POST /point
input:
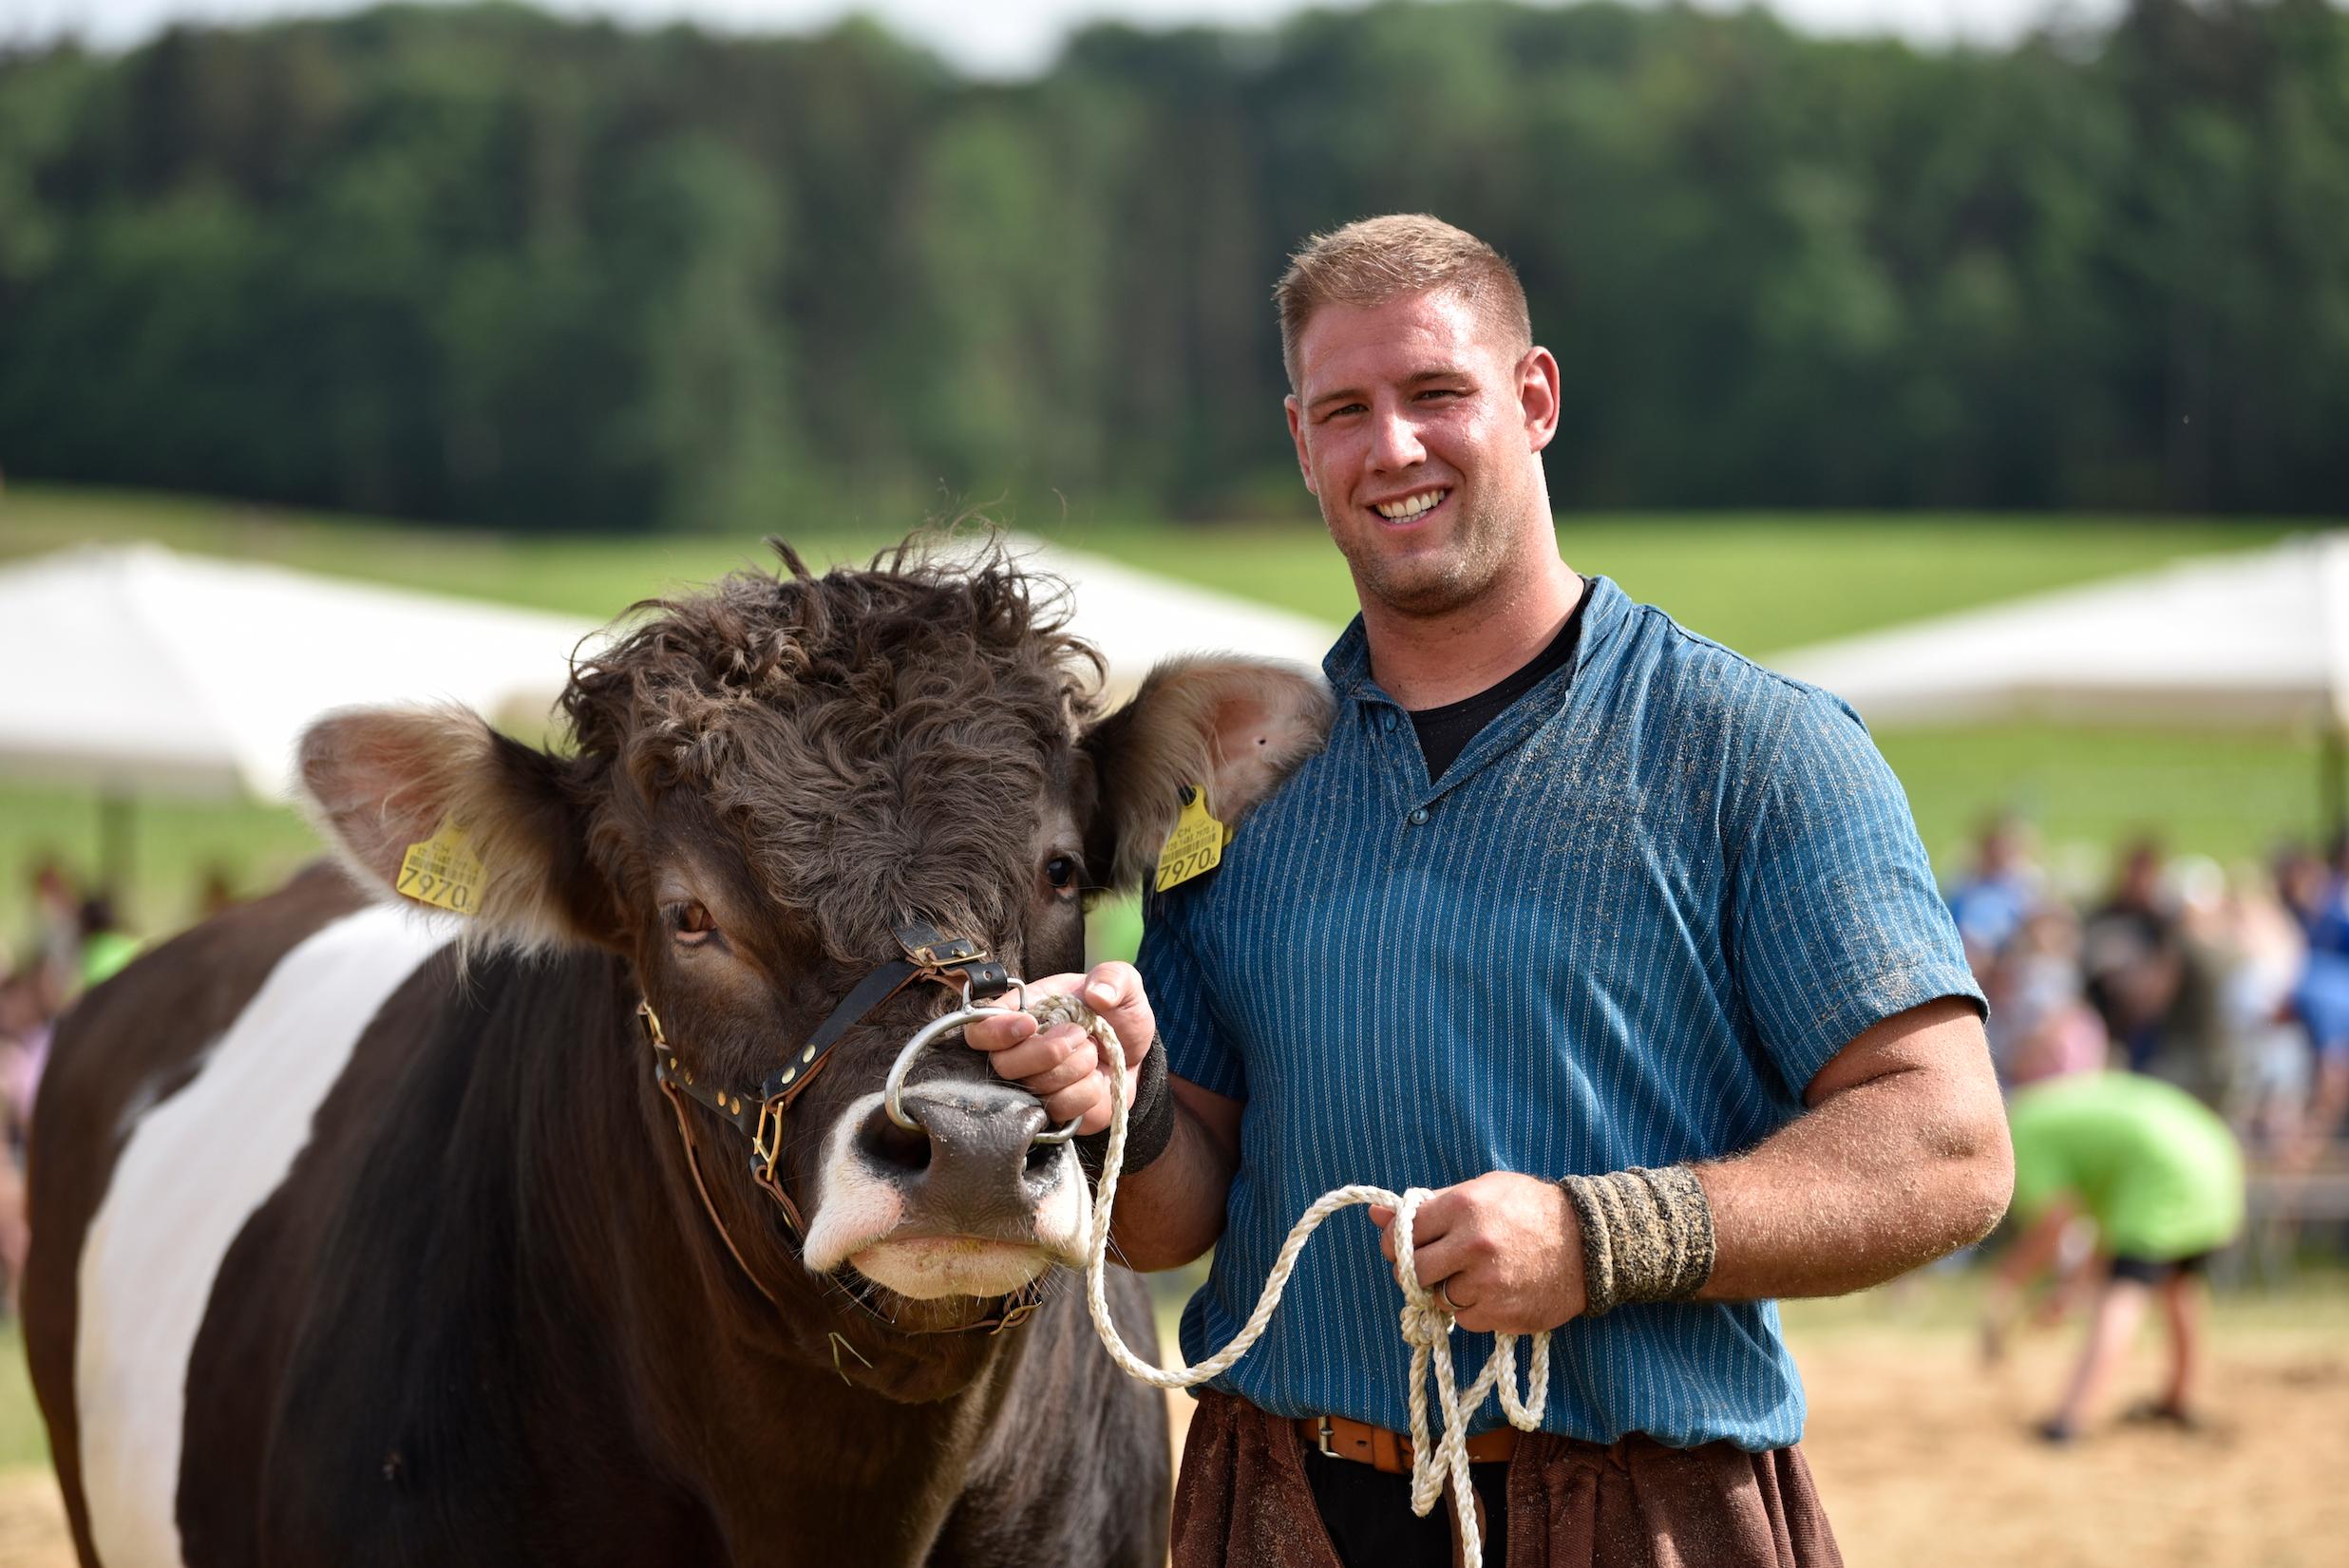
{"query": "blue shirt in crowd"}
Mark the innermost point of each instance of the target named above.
(1626, 927)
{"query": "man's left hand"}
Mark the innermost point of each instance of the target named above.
(1507, 1250)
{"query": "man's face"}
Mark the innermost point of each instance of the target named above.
(1416, 426)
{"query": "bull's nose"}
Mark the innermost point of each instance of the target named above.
(971, 1165)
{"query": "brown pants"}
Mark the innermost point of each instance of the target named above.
(1243, 1501)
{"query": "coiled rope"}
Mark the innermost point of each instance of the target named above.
(1427, 1324)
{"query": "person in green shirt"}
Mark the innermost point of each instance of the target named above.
(2161, 1177)
(105, 947)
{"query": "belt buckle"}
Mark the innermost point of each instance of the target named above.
(1321, 1430)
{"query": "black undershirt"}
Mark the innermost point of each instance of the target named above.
(1445, 732)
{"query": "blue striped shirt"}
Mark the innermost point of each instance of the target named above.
(1626, 927)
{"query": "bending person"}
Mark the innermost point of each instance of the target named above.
(2161, 1177)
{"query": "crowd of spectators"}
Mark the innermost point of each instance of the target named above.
(2234, 988)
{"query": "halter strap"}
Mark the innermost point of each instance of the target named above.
(958, 963)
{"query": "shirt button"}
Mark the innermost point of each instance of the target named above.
(1387, 723)
(1419, 817)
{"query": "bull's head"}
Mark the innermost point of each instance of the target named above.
(767, 779)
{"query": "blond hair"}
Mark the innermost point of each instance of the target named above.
(1373, 261)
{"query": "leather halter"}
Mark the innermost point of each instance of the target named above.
(958, 963)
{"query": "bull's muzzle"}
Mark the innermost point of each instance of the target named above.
(978, 1160)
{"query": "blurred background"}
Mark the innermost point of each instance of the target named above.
(2014, 341)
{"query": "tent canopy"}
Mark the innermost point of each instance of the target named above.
(2256, 638)
(133, 669)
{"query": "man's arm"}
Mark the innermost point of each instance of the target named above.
(1902, 1158)
(1171, 1211)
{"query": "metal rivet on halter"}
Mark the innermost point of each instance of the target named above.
(929, 1034)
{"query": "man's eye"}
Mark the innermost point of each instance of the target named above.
(691, 923)
(1062, 872)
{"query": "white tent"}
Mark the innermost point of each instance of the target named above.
(131, 669)
(2259, 637)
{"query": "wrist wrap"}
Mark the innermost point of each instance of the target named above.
(1647, 1236)
(1149, 1121)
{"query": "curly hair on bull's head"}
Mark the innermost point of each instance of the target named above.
(878, 736)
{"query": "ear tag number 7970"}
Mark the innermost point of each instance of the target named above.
(1196, 845)
(442, 871)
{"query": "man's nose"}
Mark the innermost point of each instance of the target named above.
(1395, 439)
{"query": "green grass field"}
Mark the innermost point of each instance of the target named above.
(1758, 582)
(23, 1438)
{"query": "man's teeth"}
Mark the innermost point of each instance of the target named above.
(1410, 506)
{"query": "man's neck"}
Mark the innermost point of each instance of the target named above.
(1428, 661)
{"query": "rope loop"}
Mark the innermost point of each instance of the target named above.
(1426, 1323)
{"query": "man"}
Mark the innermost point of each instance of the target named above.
(1570, 894)
(2161, 1177)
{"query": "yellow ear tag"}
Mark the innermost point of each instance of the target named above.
(1196, 845)
(443, 872)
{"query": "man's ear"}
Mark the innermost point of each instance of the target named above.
(381, 778)
(1296, 439)
(1237, 727)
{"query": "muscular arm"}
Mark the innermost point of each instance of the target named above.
(1902, 1158)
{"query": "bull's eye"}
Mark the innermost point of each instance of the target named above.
(1062, 872)
(689, 922)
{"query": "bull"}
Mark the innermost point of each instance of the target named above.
(577, 1230)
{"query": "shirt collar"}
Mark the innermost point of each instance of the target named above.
(1347, 664)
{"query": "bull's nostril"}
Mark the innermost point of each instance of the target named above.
(1041, 1155)
(888, 1145)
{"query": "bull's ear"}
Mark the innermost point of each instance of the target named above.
(1236, 726)
(382, 779)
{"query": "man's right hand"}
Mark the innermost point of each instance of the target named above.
(1061, 1066)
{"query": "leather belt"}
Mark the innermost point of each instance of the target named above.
(1390, 1452)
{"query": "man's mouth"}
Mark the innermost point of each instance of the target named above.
(1411, 505)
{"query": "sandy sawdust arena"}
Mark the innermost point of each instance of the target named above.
(1924, 1459)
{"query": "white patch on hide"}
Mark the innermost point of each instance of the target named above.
(195, 1170)
(1065, 1219)
(856, 1205)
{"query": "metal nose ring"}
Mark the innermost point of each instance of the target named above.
(929, 1034)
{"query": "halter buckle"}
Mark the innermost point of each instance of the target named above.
(767, 1141)
(952, 960)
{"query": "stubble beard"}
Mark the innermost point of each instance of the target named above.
(1438, 583)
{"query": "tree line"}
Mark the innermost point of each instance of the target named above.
(486, 265)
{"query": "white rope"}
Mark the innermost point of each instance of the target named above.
(1426, 1323)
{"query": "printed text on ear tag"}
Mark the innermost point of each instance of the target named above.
(442, 871)
(1196, 845)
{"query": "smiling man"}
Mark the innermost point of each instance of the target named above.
(1622, 943)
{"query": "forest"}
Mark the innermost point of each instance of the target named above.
(489, 266)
